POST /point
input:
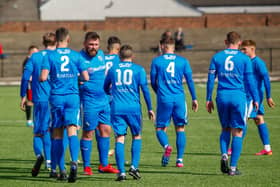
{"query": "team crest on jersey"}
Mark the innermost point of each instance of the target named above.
(100, 58)
(212, 71)
(44, 53)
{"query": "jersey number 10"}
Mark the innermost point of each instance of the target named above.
(124, 77)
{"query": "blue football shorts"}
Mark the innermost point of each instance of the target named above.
(232, 109)
(41, 116)
(177, 110)
(93, 115)
(121, 122)
(252, 112)
(65, 110)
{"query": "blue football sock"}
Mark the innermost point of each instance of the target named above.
(97, 137)
(74, 146)
(264, 133)
(120, 156)
(53, 156)
(236, 146)
(86, 147)
(59, 152)
(104, 149)
(224, 141)
(37, 145)
(47, 146)
(181, 141)
(162, 138)
(65, 139)
(136, 152)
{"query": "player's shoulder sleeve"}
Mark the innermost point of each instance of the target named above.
(155, 62)
(186, 64)
(248, 64)
(100, 52)
(81, 65)
(46, 64)
(30, 63)
(261, 65)
(213, 61)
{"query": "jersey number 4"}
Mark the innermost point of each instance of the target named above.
(171, 68)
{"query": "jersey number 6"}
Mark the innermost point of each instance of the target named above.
(229, 65)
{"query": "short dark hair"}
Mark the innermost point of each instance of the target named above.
(32, 47)
(61, 34)
(91, 36)
(111, 41)
(249, 43)
(167, 41)
(49, 39)
(126, 51)
(233, 37)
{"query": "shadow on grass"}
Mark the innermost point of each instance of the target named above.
(203, 154)
(26, 178)
(6, 161)
(190, 153)
(179, 173)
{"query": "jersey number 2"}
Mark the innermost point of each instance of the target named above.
(65, 62)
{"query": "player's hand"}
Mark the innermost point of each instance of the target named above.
(270, 102)
(22, 103)
(151, 115)
(256, 105)
(194, 105)
(209, 106)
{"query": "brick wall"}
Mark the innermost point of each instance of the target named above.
(206, 21)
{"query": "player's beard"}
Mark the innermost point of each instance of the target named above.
(91, 52)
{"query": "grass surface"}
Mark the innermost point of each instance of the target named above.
(201, 160)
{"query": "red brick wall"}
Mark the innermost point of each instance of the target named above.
(185, 22)
(124, 24)
(208, 20)
(273, 19)
(236, 20)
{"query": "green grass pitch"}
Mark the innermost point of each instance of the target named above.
(201, 160)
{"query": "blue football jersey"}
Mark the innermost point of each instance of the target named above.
(167, 72)
(64, 65)
(125, 80)
(233, 69)
(96, 70)
(110, 60)
(40, 90)
(261, 76)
